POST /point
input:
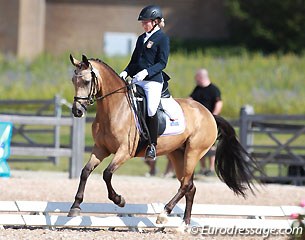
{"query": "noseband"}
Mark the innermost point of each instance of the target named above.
(92, 96)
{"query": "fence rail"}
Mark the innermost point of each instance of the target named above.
(46, 118)
(276, 141)
(281, 143)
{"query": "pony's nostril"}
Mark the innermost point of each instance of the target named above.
(76, 112)
(79, 112)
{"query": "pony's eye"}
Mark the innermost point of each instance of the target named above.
(86, 82)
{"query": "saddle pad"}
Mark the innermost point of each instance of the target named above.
(175, 122)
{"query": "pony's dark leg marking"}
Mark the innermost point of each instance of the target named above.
(95, 159)
(117, 161)
(112, 195)
(75, 208)
(180, 194)
(189, 196)
(172, 203)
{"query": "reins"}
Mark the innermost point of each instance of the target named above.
(92, 96)
(108, 94)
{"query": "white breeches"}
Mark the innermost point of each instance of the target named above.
(152, 91)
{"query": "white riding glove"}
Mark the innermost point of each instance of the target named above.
(140, 76)
(123, 75)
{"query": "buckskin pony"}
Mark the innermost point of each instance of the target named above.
(114, 132)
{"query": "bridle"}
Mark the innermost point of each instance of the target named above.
(92, 96)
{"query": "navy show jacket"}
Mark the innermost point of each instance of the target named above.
(152, 56)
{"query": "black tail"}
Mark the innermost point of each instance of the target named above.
(233, 164)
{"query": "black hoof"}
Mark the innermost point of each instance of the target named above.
(74, 212)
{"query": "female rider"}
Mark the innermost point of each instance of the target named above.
(147, 62)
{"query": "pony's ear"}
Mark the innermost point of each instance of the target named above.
(74, 61)
(85, 60)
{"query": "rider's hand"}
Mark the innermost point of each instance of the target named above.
(140, 75)
(123, 75)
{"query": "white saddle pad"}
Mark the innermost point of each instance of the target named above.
(175, 122)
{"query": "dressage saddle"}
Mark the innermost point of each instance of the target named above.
(141, 112)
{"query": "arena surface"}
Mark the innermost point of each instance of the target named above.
(47, 186)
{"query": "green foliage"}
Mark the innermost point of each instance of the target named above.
(268, 25)
(219, 48)
(272, 84)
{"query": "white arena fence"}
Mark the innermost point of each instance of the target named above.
(138, 216)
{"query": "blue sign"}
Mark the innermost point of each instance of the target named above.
(5, 142)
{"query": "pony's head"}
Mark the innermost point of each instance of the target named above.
(85, 84)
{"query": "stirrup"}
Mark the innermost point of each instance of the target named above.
(150, 154)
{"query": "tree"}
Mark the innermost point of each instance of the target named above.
(270, 25)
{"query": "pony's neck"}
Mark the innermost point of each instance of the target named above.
(109, 82)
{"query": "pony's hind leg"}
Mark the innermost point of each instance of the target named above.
(189, 197)
(95, 159)
(184, 163)
(177, 159)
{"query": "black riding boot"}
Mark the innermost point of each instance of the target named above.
(153, 132)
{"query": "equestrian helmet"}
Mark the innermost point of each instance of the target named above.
(150, 12)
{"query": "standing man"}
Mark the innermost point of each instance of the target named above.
(209, 96)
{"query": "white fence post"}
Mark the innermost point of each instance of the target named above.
(57, 114)
(78, 147)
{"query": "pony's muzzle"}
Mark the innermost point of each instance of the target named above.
(78, 110)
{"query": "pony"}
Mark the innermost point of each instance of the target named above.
(114, 132)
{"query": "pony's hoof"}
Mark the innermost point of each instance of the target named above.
(183, 228)
(162, 218)
(122, 202)
(74, 212)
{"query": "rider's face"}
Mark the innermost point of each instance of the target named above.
(147, 25)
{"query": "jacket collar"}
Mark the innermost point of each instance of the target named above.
(148, 35)
(153, 36)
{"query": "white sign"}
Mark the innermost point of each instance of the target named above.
(119, 44)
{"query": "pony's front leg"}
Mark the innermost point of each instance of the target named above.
(117, 161)
(96, 158)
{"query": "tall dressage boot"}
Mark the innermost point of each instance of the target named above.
(153, 132)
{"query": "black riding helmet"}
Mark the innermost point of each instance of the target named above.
(150, 12)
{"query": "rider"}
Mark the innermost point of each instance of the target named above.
(147, 62)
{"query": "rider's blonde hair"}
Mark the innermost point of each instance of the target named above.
(160, 22)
